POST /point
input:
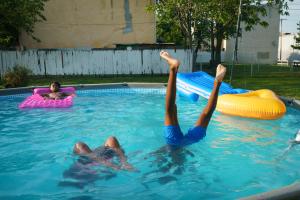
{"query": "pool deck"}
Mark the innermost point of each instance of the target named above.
(11, 91)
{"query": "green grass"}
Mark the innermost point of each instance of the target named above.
(283, 80)
(98, 79)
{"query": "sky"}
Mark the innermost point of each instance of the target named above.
(289, 25)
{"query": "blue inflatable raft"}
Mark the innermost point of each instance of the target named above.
(193, 85)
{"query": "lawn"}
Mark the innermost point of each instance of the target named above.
(65, 80)
(283, 80)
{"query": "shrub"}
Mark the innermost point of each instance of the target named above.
(16, 77)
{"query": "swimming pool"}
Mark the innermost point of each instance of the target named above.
(238, 157)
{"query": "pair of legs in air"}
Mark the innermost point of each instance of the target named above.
(172, 130)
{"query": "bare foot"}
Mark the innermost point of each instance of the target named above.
(220, 73)
(174, 63)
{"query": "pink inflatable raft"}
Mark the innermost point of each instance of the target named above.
(37, 101)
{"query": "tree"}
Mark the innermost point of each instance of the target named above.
(297, 38)
(214, 20)
(17, 16)
(185, 18)
(168, 29)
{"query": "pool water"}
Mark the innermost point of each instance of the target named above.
(237, 158)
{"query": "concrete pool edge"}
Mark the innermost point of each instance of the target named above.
(291, 102)
(21, 90)
(290, 192)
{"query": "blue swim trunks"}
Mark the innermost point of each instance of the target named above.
(174, 135)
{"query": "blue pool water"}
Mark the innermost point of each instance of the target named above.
(238, 157)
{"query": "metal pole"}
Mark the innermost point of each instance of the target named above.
(280, 53)
(280, 39)
(234, 57)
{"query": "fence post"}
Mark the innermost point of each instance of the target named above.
(2, 68)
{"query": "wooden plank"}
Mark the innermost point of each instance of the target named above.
(93, 62)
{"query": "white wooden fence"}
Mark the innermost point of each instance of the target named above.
(93, 62)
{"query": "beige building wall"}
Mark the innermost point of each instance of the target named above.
(259, 45)
(93, 24)
(288, 54)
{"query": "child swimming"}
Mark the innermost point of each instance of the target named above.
(103, 154)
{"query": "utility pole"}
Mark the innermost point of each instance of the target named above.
(237, 32)
(234, 56)
(280, 53)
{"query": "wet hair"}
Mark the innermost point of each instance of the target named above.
(56, 83)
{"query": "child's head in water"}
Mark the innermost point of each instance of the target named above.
(55, 86)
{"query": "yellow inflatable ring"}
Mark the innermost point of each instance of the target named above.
(259, 104)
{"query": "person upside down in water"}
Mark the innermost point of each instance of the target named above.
(172, 157)
(172, 131)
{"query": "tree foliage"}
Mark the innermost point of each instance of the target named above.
(168, 29)
(211, 20)
(17, 16)
(182, 20)
(297, 38)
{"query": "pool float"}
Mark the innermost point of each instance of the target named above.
(193, 85)
(259, 104)
(37, 101)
